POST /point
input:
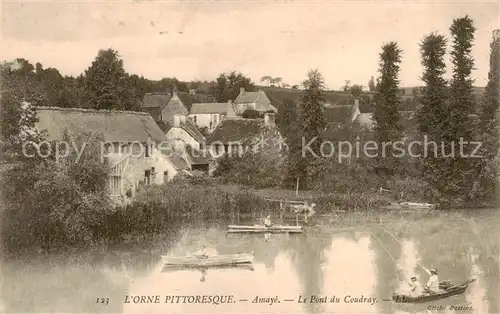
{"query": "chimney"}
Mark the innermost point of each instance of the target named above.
(242, 90)
(230, 113)
(177, 120)
(269, 119)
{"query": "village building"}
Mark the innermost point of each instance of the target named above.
(130, 147)
(235, 135)
(257, 101)
(184, 130)
(163, 106)
(208, 115)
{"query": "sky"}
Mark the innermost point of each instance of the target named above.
(200, 39)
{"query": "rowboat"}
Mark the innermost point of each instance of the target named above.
(264, 229)
(416, 205)
(208, 261)
(170, 268)
(448, 290)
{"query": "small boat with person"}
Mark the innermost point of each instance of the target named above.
(208, 260)
(447, 289)
(265, 229)
(414, 205)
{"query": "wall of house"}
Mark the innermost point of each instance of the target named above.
(208, 120)
(179, 134)
(164, 170)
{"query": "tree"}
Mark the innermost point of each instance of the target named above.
(227, 86)
(459, 125)
(488, 127)
(371, 84)
(346, 86)
(311, 113)
(105, 83)
(266, 78)
(278, 80)
(386, 115)
(356, 90)
(433, 110)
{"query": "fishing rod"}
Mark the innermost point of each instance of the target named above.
(392, 235)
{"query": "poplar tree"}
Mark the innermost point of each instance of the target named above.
(488, 127)
(459, 125)
(311, 111)
(433, 112)
(386, 115)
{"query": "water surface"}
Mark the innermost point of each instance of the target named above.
(338, 259)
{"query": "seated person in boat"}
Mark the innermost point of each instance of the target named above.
(267, 221)
(432, 285)
(202, 253)
(415, 287)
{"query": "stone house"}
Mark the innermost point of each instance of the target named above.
(130, 147)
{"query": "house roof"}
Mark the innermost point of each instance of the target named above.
(189, 99)
(175, 159)
(160, 100)
(155, 100)
(190, 128)
(178, 162)
(259, 98)
(200, 108)
(237, 129)
(115, 126)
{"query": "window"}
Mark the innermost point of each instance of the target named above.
(146, 153)
(165, 176)
(194, 119)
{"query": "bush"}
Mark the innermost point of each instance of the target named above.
(257, 170)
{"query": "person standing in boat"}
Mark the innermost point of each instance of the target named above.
(415, 287)
(267, 221)
(432, 285)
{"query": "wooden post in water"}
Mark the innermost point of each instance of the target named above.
(297, 219)
(297, 188)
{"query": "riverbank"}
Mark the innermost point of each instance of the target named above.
(158, 210)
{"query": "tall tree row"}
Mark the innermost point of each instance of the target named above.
(488, 128)
(459, 125)
(386, 116)
(433, 110)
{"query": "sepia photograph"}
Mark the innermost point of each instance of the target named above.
(250, 156)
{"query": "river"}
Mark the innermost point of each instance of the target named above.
(341, 264)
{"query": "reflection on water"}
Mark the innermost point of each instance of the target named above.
(477, 293)
(350, 273)
(407, 265)
(322, 264)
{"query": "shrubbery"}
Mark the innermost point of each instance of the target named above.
(257, 170)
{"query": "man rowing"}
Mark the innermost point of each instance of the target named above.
(432, 285)
(202, 253)
(267, 221)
